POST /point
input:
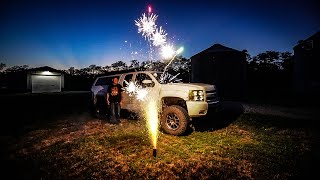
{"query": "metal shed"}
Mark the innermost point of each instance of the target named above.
(306, 63)
(45, 79)
(223, 66)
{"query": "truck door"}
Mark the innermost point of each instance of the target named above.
(145, 82)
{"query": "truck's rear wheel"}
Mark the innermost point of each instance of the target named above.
(174, 120)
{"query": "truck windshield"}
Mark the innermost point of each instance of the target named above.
(164, 78)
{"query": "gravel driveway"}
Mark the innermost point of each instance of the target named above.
(310, 113)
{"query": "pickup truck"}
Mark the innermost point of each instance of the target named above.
(180, 102)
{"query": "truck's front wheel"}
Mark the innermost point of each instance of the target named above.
(174, 120)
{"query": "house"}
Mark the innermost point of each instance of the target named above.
(223, 66)
(306, 63)
(44, 79)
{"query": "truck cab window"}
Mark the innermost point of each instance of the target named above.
(141, 77)
(127, 79)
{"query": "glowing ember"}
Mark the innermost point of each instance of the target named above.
(149, 9)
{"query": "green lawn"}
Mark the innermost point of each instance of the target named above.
(251, 147)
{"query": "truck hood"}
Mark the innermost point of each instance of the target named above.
(196, 86)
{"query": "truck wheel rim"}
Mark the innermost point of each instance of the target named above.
(172, 121)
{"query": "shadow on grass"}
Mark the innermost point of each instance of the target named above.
(214, 120)
(26, 112)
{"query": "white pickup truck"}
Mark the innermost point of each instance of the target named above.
(180, 102)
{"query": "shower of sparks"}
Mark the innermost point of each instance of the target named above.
(150, 108)
(134, 89)
(141, 94)
(168, 78)
(156, 37)
(174, 56)
(131, 88)
(147, 25)
(151, 113)
(167, 51)
(159, 37)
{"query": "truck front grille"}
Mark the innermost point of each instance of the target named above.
(212, 97)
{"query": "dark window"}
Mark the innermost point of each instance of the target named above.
(140, 77)
(127, 79)
(105, 81)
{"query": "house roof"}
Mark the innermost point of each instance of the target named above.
(217, 48)
(45, 68)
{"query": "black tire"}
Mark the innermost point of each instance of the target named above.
(174, 120)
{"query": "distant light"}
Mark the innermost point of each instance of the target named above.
(149, 9)
(46, 73)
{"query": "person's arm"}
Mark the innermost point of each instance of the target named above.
(108, 101)
(121, 95)
(108, 96)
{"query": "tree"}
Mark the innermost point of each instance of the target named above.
(134, 64)
(17, 68)
(98, 70)
(91, 69)
(248, 56)
(106, 69)
(268, 59)
(119, 65)
(2, 66)
(287, 61)
(181, 66)
(270, 69)
(71, 70)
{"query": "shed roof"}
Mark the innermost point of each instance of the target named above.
(45, 68)
(301, 43)
(217, 48)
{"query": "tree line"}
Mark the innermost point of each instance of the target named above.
(263, 70)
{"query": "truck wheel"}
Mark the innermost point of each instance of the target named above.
(174, 120)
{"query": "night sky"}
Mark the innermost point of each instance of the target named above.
(78, 33)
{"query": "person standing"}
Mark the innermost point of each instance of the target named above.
(114, 100)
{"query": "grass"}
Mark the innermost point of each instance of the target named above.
(251, 147)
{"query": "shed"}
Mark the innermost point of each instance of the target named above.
(45, 79)
(306, 65)
(223, 66)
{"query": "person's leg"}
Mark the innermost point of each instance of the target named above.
(112, 113)
(118, 111)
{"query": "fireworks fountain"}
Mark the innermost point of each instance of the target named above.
(156, 37)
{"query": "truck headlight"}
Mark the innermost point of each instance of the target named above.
(196, 95)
